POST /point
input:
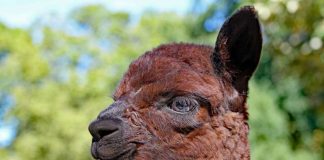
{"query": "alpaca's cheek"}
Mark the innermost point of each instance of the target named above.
(138, 135)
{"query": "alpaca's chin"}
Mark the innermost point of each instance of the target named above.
(105, 151)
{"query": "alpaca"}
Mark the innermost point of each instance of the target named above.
(184, 101)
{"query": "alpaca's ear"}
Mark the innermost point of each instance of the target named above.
(238, 47)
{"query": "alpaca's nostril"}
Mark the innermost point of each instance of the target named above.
(101, 128)
(106, 132)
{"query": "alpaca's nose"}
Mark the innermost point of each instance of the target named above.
(102, 128)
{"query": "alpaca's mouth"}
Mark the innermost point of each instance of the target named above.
(107, 150)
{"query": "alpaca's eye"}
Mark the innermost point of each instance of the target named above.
(183, 104)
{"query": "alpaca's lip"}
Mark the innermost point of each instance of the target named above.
(94, 150)
(104, 151)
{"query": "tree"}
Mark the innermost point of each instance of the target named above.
(293, 62)
(55, 108)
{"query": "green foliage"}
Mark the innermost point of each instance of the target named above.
(293, 62)
(269, 134)
(54, 110)
(56, 96)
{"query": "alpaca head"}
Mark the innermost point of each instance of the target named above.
(184, 101)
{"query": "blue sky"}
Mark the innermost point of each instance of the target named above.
(21, 13)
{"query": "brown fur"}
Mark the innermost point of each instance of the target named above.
(146, 127)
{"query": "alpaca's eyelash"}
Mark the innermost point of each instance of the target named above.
(201, 100)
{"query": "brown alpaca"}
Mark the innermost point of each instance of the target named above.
(184, 101)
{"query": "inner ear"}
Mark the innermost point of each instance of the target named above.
(238, 47)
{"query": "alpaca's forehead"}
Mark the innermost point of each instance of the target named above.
(176, 63)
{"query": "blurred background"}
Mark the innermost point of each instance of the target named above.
(60, 61)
